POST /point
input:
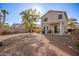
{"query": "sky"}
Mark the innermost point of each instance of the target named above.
(14, 9)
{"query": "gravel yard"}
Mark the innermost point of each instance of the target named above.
(32, 44)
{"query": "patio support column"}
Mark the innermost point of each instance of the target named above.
(45, 30)
(61, 28)
(53, 30)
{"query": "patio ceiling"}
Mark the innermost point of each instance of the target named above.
(55, 22)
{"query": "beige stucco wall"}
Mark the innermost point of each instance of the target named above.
(53, 17)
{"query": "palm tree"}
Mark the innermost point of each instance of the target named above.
(4, 12)
(73, 33)
(0, 19)
(29, 17)
(6, 25)
(72, 23)
(71, 26)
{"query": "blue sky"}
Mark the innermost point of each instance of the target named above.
(14, 9)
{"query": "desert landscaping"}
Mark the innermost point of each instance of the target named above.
(34, 44)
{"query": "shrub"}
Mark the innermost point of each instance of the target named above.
(4, 32)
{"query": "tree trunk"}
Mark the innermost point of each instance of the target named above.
(31, 28)
(3, 20)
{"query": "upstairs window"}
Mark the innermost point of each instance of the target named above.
(45, 19)
(60, 16)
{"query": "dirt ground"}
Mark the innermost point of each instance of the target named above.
(33, 44)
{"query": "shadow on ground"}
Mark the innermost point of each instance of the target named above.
(33, 44)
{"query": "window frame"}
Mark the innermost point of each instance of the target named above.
(45, 19)
(60, 16)
(56, 29)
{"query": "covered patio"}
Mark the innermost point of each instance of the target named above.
(56, 28)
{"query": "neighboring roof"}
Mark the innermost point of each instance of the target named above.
(57, 12)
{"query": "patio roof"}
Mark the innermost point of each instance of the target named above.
(55, 22)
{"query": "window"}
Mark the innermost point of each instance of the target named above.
(45, 19)
(44, 30)
(56, 29)
(60, 16)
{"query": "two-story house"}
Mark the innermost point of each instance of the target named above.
(54, 22)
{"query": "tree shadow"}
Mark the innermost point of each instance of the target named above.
(60, 45)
